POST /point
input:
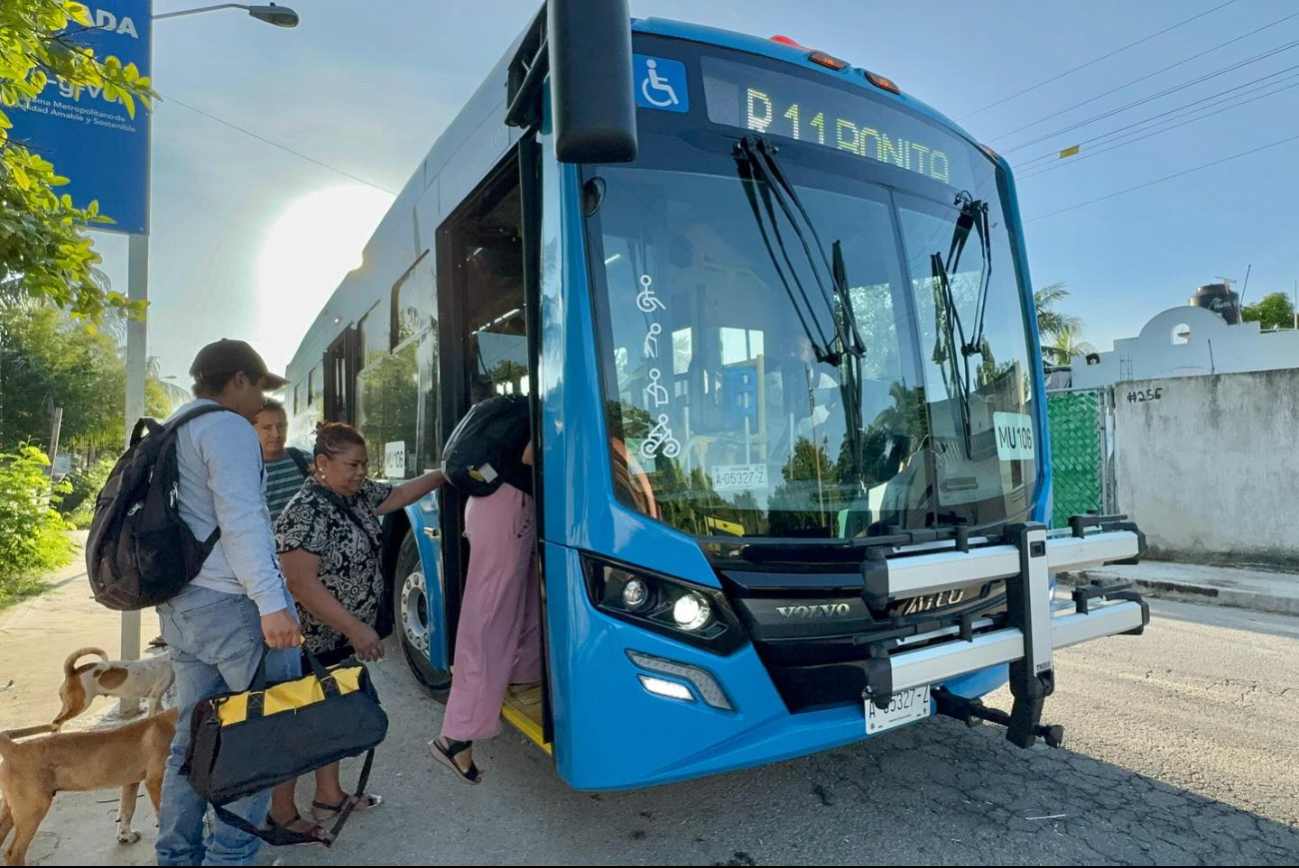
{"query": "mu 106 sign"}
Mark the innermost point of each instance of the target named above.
(843, 118)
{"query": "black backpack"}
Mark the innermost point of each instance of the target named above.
(141, 553)
(478, 452)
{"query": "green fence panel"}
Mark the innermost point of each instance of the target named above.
(1077, 457)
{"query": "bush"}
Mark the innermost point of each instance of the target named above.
(32, 538)
(79, 504)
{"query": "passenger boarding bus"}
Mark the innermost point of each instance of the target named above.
(775, 321)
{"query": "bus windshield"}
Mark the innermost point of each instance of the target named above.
(734, 401)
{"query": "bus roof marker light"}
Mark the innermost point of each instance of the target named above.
(785, 40)
(828, 61)
(883, 83)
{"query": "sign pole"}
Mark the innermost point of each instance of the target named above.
(137, 359)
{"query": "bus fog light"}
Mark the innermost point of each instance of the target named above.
(635, 595)
(669, 689)
(692, 612)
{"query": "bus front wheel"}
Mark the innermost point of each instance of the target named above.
(414, 620)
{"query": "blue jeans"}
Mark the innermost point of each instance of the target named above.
(216, 644)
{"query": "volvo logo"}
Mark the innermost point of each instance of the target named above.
(828, 610)
(929, 602)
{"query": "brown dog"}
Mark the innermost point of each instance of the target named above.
(34, 771)
(149, 679)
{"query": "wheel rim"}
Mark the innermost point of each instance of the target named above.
(414, 612)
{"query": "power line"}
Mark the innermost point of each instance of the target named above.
(1248, 87)
(1096, 60)
(1163, 93)
(1159, 132)
(1163, 179)
(1136, 81)
(281, 147)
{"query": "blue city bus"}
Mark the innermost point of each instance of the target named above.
(775, 322)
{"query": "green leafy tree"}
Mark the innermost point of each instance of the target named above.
(32, 541)
(48, 360)
(44, 254)
(1274, 311)
(389, 390)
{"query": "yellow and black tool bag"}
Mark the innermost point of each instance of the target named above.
(246, 743)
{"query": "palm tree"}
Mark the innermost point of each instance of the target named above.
(1068, 344)
(1051, 322)
(1054, 324)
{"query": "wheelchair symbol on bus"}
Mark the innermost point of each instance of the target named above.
(661, 84)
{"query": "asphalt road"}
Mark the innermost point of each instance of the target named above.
(1182, 749)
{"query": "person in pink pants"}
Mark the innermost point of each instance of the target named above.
(499, 641)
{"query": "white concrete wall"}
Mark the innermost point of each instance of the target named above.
(1208, 466)
(1186, 341)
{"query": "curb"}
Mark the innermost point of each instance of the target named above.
(1190, 592)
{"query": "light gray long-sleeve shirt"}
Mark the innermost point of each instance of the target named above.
(222, 483)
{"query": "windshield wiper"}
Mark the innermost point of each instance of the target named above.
(760, 157)
(820, 347)
(973, 218)
(945, 348)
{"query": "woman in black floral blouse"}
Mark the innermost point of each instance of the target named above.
(329, 539)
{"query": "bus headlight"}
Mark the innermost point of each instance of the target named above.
(635, 595)
(692, 612)
(682, 610)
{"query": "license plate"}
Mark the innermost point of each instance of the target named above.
(905, 707)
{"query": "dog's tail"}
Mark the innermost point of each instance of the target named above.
(9, 735)
(70, 665)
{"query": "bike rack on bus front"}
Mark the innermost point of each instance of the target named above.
(1026, 559)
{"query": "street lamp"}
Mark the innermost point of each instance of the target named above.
(137, 330)
(280, 16)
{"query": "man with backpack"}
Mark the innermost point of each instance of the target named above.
(286, 469)
(238, 607)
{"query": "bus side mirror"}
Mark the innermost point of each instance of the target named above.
(592, 97)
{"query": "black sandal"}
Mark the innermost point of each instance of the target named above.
(360, 804)
(317, 834)
(447, 756)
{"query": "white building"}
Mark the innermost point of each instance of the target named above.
(1185, 342)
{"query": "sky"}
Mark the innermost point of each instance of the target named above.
(248, 240)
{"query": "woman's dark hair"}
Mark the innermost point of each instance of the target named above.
(334, 437)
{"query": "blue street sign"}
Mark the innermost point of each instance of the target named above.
(91, 140)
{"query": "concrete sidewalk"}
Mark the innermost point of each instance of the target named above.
(1242, 589)
(37, 634)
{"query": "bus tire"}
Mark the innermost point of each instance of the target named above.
(411, 620)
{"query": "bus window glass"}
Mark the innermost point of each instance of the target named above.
(387, 411)
(413, 300)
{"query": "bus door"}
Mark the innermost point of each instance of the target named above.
(486, 353)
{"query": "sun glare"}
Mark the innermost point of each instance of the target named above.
(308, 251)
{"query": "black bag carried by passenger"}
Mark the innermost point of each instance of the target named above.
(141, 553)
(483, 445)
(246, 743)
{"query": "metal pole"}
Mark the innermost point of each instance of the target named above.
(197, 11)
(137, 340)
(55, 429)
